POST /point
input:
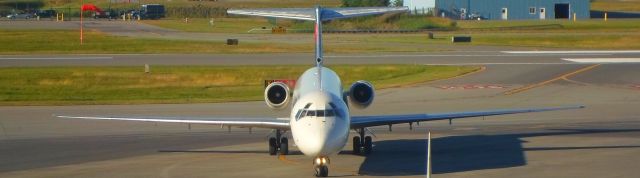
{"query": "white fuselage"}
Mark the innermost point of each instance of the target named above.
(319, 115)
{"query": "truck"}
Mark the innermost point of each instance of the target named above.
(152, 11)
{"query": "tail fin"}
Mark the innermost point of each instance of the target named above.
(318, 15)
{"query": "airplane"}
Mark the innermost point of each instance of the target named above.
(320, 119)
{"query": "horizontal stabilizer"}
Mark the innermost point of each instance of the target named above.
(309, 13)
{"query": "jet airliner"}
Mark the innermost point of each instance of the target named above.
(320, 118)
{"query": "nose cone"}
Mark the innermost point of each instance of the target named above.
(323, 141)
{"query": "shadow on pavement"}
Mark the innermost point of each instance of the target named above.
(463, 153)
(226, 151)
(621, 15)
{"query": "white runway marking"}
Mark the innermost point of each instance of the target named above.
(603, 60)
(56, 58)
(460, 55)
(498, 63)
(573, 52)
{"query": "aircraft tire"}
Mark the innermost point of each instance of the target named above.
(322, 171)
(284, 146)
(356, 145)
(368, 145)
(272, 146)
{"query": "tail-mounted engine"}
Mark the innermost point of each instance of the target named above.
(361, 94)
(277, 95)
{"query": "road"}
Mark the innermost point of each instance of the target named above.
(602, 140)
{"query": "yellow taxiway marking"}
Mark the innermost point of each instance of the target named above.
(284, 159)
(562, 77)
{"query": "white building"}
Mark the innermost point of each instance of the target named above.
(420, 6)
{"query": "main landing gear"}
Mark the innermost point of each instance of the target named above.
(320, 166)
(278, 144)
(362, 144)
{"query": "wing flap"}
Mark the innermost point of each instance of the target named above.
(272, 123)
(369, 121)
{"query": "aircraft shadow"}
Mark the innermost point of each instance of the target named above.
(462, 153)
(227, 151)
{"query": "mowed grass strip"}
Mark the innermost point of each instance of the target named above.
(95, 42)
(184, 84)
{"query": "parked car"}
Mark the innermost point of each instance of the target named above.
(19, 16)
(46, 13)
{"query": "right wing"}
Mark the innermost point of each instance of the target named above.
(271, 123)
(369, 121)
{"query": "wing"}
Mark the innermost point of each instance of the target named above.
(339, 13)
(369, 121)
(272, 123)
(309, 13)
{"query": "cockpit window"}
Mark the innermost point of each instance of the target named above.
(329, 113)
(311, 113)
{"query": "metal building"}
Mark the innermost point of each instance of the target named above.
(513, 9)
(420, 6)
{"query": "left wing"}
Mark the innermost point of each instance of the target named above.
(272, 123)
(369, 121)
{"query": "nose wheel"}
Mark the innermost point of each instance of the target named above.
(278, 144)
(320, 166)
(362, 144)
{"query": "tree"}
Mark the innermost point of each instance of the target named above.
(365, 3)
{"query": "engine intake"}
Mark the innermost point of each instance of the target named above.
(361, 94)
(277, 95)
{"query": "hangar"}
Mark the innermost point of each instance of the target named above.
(513, 9)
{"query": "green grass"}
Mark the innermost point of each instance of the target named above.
(183, 84)
(600, 41)
(65, 41)
(188, 3)
(221, 25)
(616, 5)
(555, 25)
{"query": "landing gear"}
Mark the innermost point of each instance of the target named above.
(320, 166)
(278, 144)
(362, 144)
(356, 145)
(368, 145)
(273, 146)
(284, 146)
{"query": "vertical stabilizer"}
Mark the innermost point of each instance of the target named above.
(318, 39)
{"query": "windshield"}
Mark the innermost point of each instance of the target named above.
(306, 112)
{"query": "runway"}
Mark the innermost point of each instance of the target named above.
(602, 140)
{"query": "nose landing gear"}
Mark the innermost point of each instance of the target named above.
(278, 144)
(320, 166)
(362, 144)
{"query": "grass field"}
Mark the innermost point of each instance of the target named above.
(64, 41)
(616, 5)
(182, 84)
(554, 25)
(598, 41)
(187, 3)
(220, 25)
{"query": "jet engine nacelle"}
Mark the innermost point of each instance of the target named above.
(361, 94)
(277, 95)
